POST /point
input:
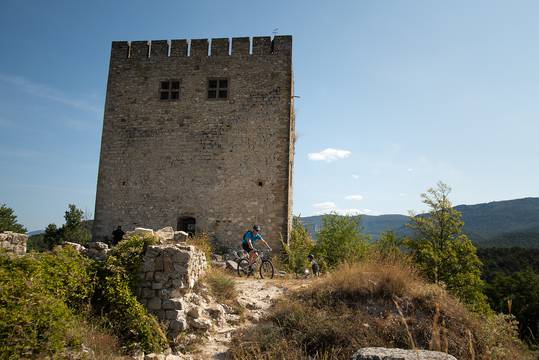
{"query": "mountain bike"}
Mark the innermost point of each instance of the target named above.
(263, 262)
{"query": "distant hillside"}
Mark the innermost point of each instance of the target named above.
(500, 223)
(372, 225)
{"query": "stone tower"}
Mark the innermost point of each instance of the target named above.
(198, 135)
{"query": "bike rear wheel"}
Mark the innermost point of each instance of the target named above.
(266, 270)
(244, 268)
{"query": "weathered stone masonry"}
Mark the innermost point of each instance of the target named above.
(226, 163)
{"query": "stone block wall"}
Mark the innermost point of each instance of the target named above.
(168, 273)
(227, 163)
(13, 242)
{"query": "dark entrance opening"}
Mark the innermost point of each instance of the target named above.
(187, 224)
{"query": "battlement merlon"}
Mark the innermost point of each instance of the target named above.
(242, 46)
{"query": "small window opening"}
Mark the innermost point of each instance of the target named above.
(217, 88)
(260, 183)
(169, 90)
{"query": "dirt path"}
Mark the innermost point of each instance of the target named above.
(256, 296)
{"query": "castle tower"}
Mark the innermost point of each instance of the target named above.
(198, 135)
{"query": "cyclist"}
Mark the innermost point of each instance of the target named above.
(249, 239)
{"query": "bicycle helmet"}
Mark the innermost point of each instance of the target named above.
(256, 227)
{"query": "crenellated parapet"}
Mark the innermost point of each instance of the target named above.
(242, 46)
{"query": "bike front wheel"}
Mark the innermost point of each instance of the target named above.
(266, 270)
(243, 268)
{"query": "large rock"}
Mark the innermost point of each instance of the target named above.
(77, 247)
(13, 242)
(180, 236)
(379, 353)
(165, 234)
(96, 250)
(140, 232)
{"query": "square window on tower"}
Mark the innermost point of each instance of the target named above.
(218, 89)
(169, 90)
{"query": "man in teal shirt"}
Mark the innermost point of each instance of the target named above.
(249, 239)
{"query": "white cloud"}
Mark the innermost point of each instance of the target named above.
(354, 197)
(410, 169)
(327, 207)
(46, 92)
(402, 194)
(355, 176)
(329, 155)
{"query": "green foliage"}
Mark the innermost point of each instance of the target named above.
(115, 296)
(36, 243)
(52, 236)
(340, 240)
(518, 294)
(389, 245)
(40, 294)
(8, 220)
(74, 229)
(507, 261)
(443, 253)
(300, 245)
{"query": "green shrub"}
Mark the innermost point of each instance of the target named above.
(340, 240)
(115, 297)
(38, 296)
(298, 248)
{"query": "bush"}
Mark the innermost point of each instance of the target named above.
(340, 240)
(39, 296)
(115, 298)
(298, 248)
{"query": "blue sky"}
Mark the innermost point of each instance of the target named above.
(395, 95)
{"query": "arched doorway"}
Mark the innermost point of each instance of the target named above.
(187, 224)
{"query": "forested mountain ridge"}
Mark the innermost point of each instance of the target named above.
(505, 223)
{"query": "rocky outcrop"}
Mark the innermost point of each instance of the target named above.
(164, 236)
(96, 250)
(13, 242)
(379, 353)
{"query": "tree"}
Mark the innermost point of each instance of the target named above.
(52, 236)
(8, 220)
(299, 247)
(74, 229)
(389, 245)
(340, 240)
(518, 294)
(443, 252)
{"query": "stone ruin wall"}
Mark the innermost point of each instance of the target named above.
(13, 242)
(226, 163)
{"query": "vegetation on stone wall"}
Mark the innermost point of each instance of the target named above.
(115, 296)
(46, 298)
(41, 293)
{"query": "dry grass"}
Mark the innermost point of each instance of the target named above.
(223, 289)
(102, 344)
(202, 242)
(376, 303)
